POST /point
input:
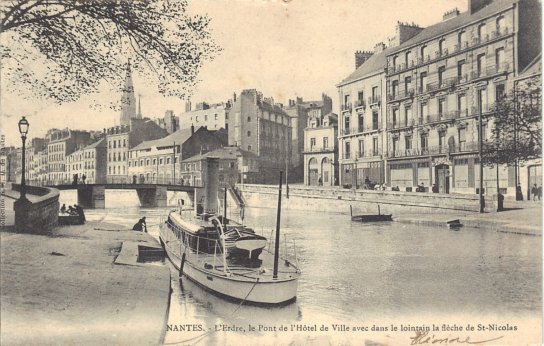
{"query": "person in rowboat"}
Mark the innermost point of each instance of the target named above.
(140, 226)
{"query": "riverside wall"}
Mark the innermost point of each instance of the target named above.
(339, 200)
(41, 214)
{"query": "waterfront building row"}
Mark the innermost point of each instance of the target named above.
(409, 112)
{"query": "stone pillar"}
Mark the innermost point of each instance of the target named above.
(23, 223)
(152, 197)
(92, 197)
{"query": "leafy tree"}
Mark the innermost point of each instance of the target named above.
(62, 49)
(517, 127)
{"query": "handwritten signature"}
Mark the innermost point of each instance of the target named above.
(423, 338)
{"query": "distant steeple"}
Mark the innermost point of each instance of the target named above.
(128, 101)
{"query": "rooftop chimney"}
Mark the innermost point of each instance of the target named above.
(451, 14)
(404, 32)
(380, 47)
(361, 57)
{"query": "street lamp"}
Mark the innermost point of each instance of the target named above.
(23, 130)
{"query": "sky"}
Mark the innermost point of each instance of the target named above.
(284, 48)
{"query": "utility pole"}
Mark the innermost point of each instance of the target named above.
(480, 149)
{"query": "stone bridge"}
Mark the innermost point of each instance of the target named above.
(150, 195)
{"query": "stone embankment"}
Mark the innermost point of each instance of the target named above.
(67, 288)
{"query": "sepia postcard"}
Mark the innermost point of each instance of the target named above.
(271, 172)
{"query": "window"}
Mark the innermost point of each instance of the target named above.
(441, 139)
(501, 24)
(124, 142)
(361, 122)
(424, 53)
(196, 119)
(375, 123)
(442, 107)
(160, 161)
(346, 100)
(499, 59)
(461, 70)
(167, 160)
(442, 46)
(141, 162)
(147, 162)
(441, 76)
(423, 82)
(154, 162)
(395, 144)
(325, 142)
(482, 32)
(312, 143)
(462, 39)
(499, 91)
(215, 116)
(407, 115)
(395, 116)
(395, 60)
(462, 105)
(395, 88)
(205, 117)
(462, 138)
(348, 150)
(248, 119)
(407, 84)
(249, 133)
(375, 146)
(346, 124)
(424, 112)
(480, 65)
(114, 144)
(482, 100)
(374, 94)
(361, 148)
(408, 58)
(249, 147)
(424, 141)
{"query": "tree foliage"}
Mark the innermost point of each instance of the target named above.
(517, 127)
(62, 49)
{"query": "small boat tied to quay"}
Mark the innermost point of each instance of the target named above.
(228, 258)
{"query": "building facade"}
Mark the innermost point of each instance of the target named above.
(262, 128)
(60, 144)
(158, 161)
(121, 139)
(212, 116)
(169, 122)
(321, 150)
(89, 162)
(438, 85)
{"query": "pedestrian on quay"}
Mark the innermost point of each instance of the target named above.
(140, 226)
(63, 209)
(534, 192)
(539, 192)
(80, 214)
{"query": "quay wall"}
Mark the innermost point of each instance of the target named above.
(339, 200)
(41, 214)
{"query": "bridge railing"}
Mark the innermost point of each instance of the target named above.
(118, 180)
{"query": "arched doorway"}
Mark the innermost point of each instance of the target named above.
(442, 178)
(326, 171)
(313, 171)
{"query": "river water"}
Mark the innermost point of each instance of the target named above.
(359, 275)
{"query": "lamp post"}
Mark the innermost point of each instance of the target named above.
(23, 130)
(480, 148)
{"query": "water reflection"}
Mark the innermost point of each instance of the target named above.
(353, 272)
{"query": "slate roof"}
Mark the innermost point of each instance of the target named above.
(461, 20)
(179, 137)
(377, 62)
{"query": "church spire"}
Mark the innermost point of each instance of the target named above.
(128, 101)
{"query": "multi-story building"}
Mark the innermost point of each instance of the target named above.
(321, 150)
(41, 167)
(193, 169)
(9, 164)
(361, 134)
(442, 80)
(35, 146)
(158, 161)
(169, 122)
(263, 128)
(213, 116)
(121, 139)
(61, 143)
(530, 80)
(299, 111)
(89, 161)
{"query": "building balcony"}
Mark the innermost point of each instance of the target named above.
(373, 100)
(347, 107)
(463, 147)
(360, 104)
(315, 150)
(400, 95)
